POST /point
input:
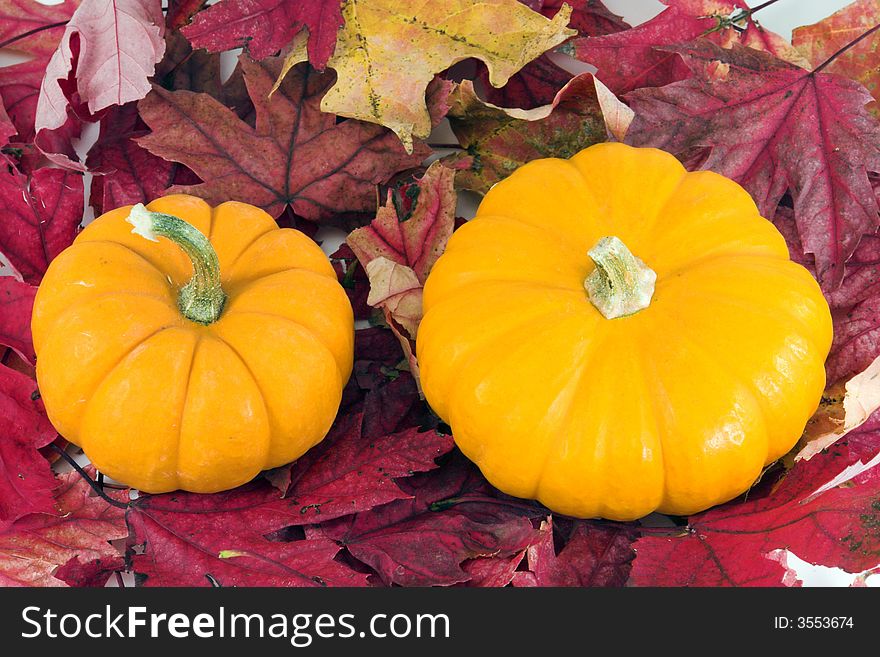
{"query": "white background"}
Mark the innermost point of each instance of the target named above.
(781, 17)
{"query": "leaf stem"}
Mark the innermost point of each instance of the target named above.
(761, 6)
(91, 482)
(23, 35)
(852, 43)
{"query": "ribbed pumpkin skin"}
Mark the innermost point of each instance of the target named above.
(673, 409)
(162, 403)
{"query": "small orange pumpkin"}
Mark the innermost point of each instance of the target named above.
(195, 360)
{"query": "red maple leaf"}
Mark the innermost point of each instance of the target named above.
(825, 511)
(35, 545)
(638, 58)
(16, 307)
(594, 555)
(453, 516)
(774, 127)
(351, 471)
(190, 537)
(296, 156)
(91, 573)
(41, 216)
(181, 552)
(26, 480)
(128, 173)
(266, 26)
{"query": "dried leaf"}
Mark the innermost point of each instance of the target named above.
(774, 127)
(296, 155)
(821, 40)
(416, 236)
(383, 71)
(861, 399)
(497, 141)
(399, 247)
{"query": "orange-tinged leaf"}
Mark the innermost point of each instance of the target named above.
(389, 50)
(859, 401)
(821, 40)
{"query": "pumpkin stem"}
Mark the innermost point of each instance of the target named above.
(202, 299)
(621, 284)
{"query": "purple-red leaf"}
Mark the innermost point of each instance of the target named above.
(129, 173)
(39, 217)
(184, 552)
(594, 555)
(428, 548)
(26, 480)
(538, 81)
(638, 57)
(7, 129)
(16, 306)
(774, 127)
(350, 472)
(266, 26)
(92, 573)
(35, 545)
(588, 17)
(296, 156)
(453, 517)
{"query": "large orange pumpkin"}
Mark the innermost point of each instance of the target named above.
(613, 335)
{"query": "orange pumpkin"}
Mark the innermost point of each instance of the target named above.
(613, 335)
(196, 360)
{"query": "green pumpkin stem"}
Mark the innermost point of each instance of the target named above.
(202, 299)
(621, 284)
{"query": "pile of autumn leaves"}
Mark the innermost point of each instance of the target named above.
(314, 126)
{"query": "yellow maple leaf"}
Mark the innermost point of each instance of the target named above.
(389, 50)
